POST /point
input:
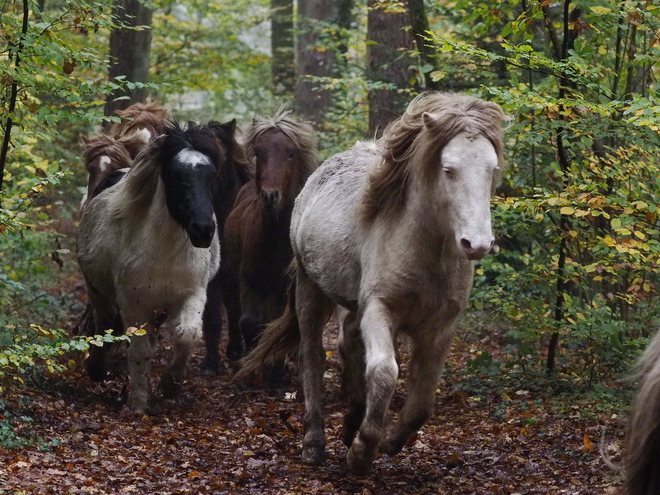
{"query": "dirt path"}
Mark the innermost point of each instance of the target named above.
(217, 438)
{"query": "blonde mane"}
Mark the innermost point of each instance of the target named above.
(301, 133)
(409, 146)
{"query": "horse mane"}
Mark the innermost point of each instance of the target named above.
(150, 116)
(235, 152)
(409, 147)
(300, 132)
(105, 144)
(142, 178)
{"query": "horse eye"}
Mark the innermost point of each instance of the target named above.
(448, 172)
(292, 154)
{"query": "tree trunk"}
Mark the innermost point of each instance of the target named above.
(129, 52)
(389, 43)
(310, 101)
(6, 140)
(283, 67)
(427, 52)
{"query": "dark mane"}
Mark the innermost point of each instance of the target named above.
(409, 146)
(227, 134)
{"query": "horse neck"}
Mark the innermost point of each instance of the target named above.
(229, 183)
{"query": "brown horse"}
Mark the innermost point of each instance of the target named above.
(256, 246)
(117, 147)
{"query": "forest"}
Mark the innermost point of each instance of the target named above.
(535, 394)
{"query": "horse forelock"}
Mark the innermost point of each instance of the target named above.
(300, 132)
(150, 115)
(411, 146)
(103, 144)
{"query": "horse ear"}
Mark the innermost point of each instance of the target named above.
(429, 119)
(231, 126)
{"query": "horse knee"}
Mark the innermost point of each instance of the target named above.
(382, 374)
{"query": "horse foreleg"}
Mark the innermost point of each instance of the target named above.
(105, 318)
(140, 353)
(187, 331)
(425, 367)
(381, 372)
(235, 348)
(311, 309)
(213, 324)
(351, 352)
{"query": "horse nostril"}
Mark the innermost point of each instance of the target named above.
(466, 245)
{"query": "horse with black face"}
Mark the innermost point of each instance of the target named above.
(148, 246)
(256, 246)
(389, 232)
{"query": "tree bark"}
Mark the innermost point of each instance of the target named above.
(129, 52)
(311, 102)
(389, 42)
(283, 67)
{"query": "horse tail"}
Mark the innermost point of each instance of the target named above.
(280, 337)
(643, 437)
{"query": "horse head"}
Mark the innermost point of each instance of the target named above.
(191, 161)
(468, 168)
(284, 153)
(445, 154)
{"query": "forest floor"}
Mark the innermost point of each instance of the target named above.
(490, 435)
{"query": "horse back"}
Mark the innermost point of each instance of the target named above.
(326, 234)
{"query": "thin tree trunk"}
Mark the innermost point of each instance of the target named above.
(568, 42)
(129, 53)
(283, 66)
(312, 102)
(389, 44)
(427, 52)
(6, 140)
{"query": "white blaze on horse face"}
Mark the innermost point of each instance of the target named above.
(192, 158)
(104, 163)
(466, 181)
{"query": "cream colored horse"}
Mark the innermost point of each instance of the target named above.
(389, 231)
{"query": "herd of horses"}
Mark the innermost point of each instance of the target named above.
(179, 221)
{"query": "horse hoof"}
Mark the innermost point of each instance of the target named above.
(206, 371)
(358, 465)
(313, 455)
(210, 367)
(170, 386)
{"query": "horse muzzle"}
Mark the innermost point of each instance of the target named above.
(201, 234)
(270, 199)
(476, 249)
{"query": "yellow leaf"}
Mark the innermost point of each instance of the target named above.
(615, 223)
(598, 278)
(598, 10)
(567, 210)
(587, 443)
(538, 217)
(609, 241)
(639, 235)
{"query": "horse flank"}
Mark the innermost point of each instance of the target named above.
(403, 147)
(301, 133)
